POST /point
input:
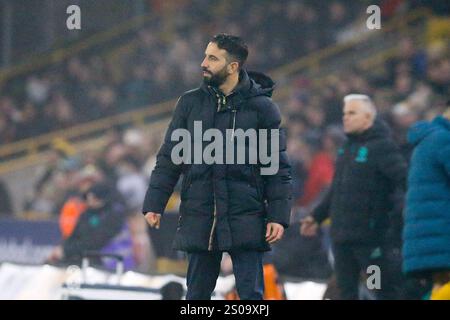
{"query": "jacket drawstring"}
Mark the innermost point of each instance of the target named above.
(234, 123)
(221, 99)
(221, 103)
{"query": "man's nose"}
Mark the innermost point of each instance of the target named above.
(204, 64)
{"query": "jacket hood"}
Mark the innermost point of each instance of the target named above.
(421, 129)
(379, 129)
(261, 84)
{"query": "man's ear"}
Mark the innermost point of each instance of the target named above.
(233, 67)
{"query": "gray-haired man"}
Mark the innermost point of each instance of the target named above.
(369, 169)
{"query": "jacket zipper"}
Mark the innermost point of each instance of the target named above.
(221, 100)
(211, 234)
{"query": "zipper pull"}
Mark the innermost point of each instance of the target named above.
(234, 123)
(218, 102)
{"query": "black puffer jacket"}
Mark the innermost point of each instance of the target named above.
(223, 206)
(369, 170)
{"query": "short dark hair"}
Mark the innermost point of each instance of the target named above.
(234, 45)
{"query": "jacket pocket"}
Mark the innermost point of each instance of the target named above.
(185, 185)
(256, 179)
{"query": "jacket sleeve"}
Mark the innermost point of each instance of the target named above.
(322, 211)
(277, 186)
(166, 173)
(392, 165)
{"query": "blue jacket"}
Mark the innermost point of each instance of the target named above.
(426, 232)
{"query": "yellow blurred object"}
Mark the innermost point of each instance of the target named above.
(273, 290)
(441, 293)
(174, 202)
(438, 30)
(63, 146)
(166, 265)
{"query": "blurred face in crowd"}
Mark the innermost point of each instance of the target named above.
(357, 116)
(93, 202)
(216, 65)
(446, 113)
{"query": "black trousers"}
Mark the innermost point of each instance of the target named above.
(204, 269)
(350, 260)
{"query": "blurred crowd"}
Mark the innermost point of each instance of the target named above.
(165, 60)
(119, 168)
(411, 86)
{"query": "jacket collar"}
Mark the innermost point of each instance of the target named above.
(251, 84)
(379, 129)
(442, 122)
(238, 95)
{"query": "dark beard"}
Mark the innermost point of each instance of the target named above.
(216, 80)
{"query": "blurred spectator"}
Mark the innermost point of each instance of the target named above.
(6, 209)
(132, 184)
(110, 158)
(368, 170)
(172, 291)
(102, 227)
(75, 205)
(37, 90)
(403, 117)
(321, 167)
(426, 248)
(136, 91)
(409, 60)
(300, 156)
(58, 177)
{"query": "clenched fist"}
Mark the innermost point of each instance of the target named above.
(153, 219)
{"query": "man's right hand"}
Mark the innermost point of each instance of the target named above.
(153, 219)
(308, 227)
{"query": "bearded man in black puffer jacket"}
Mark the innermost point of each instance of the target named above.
(230, 205)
